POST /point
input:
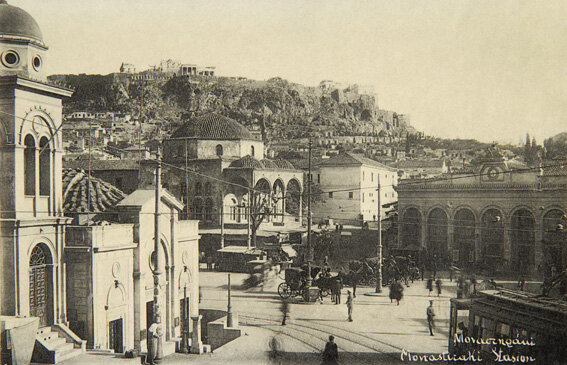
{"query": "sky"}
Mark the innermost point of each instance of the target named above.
(492, 70)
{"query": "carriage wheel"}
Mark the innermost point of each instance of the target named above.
(284, 290)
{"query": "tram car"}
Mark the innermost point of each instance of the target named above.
(509, 326)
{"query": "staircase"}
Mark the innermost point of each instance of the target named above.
(56, 343)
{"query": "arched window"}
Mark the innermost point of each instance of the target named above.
(492, 236)
(198, 209)
(29, 165)
(208, 211)
(198, 188)
(208, 188)
(411, 228)
(219, 150)
(252, 151)
(523, 240)
(44, 166)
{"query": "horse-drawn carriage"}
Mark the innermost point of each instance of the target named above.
(296, 282)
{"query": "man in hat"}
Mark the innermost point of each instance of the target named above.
(331, 353)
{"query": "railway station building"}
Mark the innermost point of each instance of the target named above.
(493, 216)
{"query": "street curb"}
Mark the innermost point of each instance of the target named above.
(372, 294)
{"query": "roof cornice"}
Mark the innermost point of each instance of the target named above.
(36, 85)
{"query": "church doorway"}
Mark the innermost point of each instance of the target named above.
(41, 285)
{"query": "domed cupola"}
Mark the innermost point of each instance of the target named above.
(22, 51)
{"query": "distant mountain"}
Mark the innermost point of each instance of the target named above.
(279, 109)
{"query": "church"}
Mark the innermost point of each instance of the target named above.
(77, 255)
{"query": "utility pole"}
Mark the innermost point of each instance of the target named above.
(229, 322)
(158, 265)
(89, 175)
(221, 220)
(379, 251)
(309, 248)
(187, 178)
(140, 134)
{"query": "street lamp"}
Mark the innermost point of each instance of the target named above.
(229, 322)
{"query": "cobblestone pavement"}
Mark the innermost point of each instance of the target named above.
(379, 333)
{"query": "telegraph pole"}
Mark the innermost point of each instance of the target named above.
(379, 251)
(309, 248)
(158, 265)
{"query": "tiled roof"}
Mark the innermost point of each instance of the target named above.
(213, 126)
(75, 197)
(349, 158)
(420, 164)
(130, 164)
(555, 169)
(250, 162)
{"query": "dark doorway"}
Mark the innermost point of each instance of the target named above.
(185, 314)
(115, 335)
(149, 314)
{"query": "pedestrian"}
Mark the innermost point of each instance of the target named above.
(398, 292)
(349, 304)
(154, 332)
(429, 285)
(430, 315)
(275, 352)
(338, 284)
(391, 294)
(331, 352)
(285, 310)
(438, 284)
(521, 283)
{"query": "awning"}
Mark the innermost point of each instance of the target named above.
(290, 251)
(241, 249)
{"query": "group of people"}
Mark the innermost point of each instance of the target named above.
(438, 285)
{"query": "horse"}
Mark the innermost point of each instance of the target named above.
(333, 284)
(352, 278)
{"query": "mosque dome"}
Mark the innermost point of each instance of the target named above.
(15, 22)
(213, 126)
(247, 162)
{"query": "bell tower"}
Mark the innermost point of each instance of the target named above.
(32, 281)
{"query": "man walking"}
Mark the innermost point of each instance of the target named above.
(285, 310)
(430, 315)
(349, 304)
(331, 353)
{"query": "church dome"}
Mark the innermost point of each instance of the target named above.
(15, 22)
(213, 126)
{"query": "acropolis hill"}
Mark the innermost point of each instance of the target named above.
(279, 109)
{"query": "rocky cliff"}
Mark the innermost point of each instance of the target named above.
(280, 109)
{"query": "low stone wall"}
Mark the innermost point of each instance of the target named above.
(217, 333)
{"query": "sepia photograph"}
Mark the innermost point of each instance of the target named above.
(276, 182)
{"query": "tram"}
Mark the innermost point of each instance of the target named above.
(509, 326)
